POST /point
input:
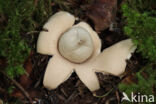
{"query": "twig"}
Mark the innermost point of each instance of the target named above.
(39, 81)
(73, 95)
(18, 86)
(33, 32)
(118, 97)
(64, 93)
(106, 94)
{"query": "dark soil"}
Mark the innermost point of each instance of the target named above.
(73, 91)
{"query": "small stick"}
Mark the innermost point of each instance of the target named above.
(18, 86)
(73, 95)
(106, 94)
(33, 32)
(117, 96)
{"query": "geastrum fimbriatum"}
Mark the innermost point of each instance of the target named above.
(77, 48)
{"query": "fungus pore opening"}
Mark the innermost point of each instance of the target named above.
(76, 45)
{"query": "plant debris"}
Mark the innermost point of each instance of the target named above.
(20, 24)
(102, 13)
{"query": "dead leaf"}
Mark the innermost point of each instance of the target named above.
(102, 13)
(3, 63)
(17, 93)
(32, 93)
(25, 79)
(130, 79)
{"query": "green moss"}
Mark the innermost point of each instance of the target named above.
(144, 86)
(141, 28)
(139, 24)
(20, 17)
(12, 46)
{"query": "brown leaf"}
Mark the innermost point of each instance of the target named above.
(25, 80)
(102, 13)
(130, 79)
(2, 18)
(18, 94)
(33, 93)
(3, 63)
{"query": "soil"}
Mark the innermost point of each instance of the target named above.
(73, 91)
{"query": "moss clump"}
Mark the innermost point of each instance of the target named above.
(144, 86)
(12, 46)
(19, 17)
(139, 24)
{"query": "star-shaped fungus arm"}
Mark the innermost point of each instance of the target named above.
(55, 26)
(88, 77)
(58, 70)
(113, 59)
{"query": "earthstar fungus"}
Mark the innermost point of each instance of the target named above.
(77, 48)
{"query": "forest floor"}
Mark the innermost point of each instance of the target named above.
(28, 88)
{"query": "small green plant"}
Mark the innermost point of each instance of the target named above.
(17, 18)
(12, 46)
(143, 85)
(20, 17)
(141, 28)
(139, 24)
